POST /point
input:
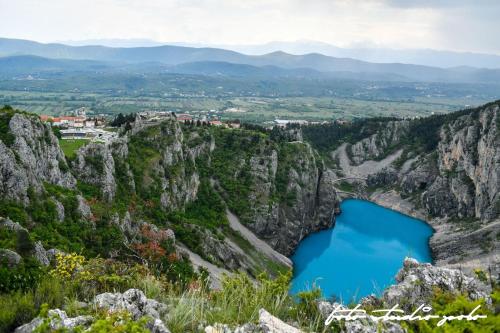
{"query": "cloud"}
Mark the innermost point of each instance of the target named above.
(458, 24)
(438, 3)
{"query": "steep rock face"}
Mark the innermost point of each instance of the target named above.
(168, 157)
(94, 164)
(32, 159)
(450, 174)
(156, 170)
(151, 157)
(469, 152)
(419, 176)
(460, 178)
(309, 204)
(171, 168)
(375, 146)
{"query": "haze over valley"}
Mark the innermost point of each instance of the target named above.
(54, 78)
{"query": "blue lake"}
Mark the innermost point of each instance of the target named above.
(362, 253)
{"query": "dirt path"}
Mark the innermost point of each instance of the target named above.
(214, 271)
(258, 243)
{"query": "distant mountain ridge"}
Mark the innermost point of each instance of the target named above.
(377, 54)
(426, 57)
(177, 55)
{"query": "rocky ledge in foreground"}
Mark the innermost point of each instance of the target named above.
(132, 301)
(416, 283)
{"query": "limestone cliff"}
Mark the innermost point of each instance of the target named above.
(30, 157)
(309, 204)
(451, 177)
(280, 190)
(379, 144)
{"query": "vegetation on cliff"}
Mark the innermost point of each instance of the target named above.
(167, 177)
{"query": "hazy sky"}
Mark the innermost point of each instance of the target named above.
(441, 24)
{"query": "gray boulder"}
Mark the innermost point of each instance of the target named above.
(40, 254)
(133, 301)
(7, 223)
(416, 283)
(247, 328)
(9, 257)
(58, 320)
(157, 326)
(270, 324)
(137, 304)
(51, 254)
(83, 208)
(59, 210)
(218, 328)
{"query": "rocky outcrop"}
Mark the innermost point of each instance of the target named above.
(137, 304)
(61, 214)
(385, 177)
(267, 324)
(469, 154)
(56, 320)
(377, 145)
(7, 223)
(83, 208)
(459, 179)
(161, 160)
(172, 173)
(133, 301)
(416, 283)
(40, 254)
(28, 248)
(32, 159)
(94, 164)
(450, 176)
(9, 257)
(132, 228)
(309, 204)
(270, 324)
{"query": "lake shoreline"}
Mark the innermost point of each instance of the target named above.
(369, 242)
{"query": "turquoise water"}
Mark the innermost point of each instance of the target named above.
(362, 253)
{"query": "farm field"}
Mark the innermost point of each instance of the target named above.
(249, 109)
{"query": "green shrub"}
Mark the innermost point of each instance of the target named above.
(16, 309)
(13, 210)
(24, 244)
(6, 136)
(52, 292)
(24, 276)
(447, 304)
(89, 191)
(119, 323)
(8, 239)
